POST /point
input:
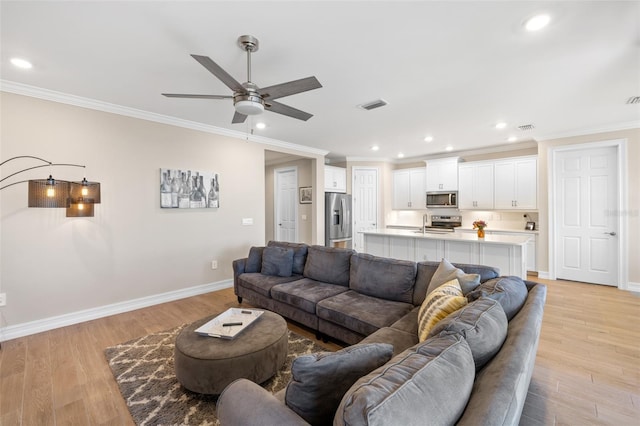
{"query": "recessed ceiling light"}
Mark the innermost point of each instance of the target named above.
(537, 22)
(21, 63)
(400, 155)
(512, 139)
(260, 125)
(501, 125)
(428, 139)
(375, 148)
(449, 148)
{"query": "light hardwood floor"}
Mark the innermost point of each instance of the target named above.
(587, 369)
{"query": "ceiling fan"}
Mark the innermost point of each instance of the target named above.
(248, 98)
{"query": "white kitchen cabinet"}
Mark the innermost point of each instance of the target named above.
(516, 183)
(335, 179)
(442, 174)
(401, 248)
(532, 255)
(475, 186)
(431, 250)
(409, 189)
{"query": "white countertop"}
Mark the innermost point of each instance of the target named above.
(502, 231)
(454, 236)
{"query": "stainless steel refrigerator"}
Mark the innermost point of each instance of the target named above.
(337, 220)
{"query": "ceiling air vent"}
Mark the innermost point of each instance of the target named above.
(373, 105)
(526, 127)
(634, 100)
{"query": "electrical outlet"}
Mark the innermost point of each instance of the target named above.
(214, 264)
(3, 299)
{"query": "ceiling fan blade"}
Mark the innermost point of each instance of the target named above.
(184, 95)
(287, 110)
(238, 118)
(290, 88)
(216, 70)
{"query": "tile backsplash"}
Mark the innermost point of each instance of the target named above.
(495, 219)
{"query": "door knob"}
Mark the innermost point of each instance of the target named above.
(613, 234)
(279, 224)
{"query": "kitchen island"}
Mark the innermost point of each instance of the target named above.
(507, 252)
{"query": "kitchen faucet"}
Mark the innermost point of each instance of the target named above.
(425, 218)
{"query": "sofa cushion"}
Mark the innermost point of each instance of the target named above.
(409, 322)
(320, 380)
(328, 264)
(427, 384)
(277, 261)
(399, 339)
(261, 283)
(305, 293)
(446, 272)
(382, 277)
(361, 313)
(254, 260)
(511, 292)
(441, 302)
(482, 323)
(299, 254)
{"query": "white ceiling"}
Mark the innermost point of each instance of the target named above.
(448, 69)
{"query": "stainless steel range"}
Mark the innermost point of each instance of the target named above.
(443, 223)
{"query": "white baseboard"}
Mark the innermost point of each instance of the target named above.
(544, 275)
(633, 286)
(38, 326)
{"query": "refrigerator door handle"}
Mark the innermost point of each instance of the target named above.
(342, 215)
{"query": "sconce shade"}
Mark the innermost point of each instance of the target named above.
(74, 209)
(92, 194)
(39, 197)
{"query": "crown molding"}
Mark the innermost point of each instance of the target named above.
(65, 98)
(615, 127)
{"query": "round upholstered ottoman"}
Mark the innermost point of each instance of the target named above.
(208, 364)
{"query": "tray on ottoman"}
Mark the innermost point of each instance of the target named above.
(229, 324)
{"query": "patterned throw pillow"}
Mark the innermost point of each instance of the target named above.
(438, 304)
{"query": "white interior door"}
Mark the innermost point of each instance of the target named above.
(286, 194)
(365, 203)
(587, 226)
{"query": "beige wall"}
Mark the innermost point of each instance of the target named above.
(633, 193)
(305, 211)
(53, 265)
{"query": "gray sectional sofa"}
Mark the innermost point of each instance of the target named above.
(473, 368)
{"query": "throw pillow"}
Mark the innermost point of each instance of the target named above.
(446, 272)
(482, 323)
(299, 254)
(254, 260)
(277, 261)
(511, 292)
(438, 304)
(319, 381)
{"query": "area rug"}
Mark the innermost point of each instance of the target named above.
(144, 371)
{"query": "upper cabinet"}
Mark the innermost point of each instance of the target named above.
(335, 179)
(442, 174)
(475, 186)
(409, 189)
(516, 183)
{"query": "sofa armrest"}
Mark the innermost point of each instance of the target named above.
(245, 403)
(238, 269)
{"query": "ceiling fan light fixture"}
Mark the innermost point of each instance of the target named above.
(249, 107)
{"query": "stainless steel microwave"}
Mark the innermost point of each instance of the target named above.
(442, 199)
